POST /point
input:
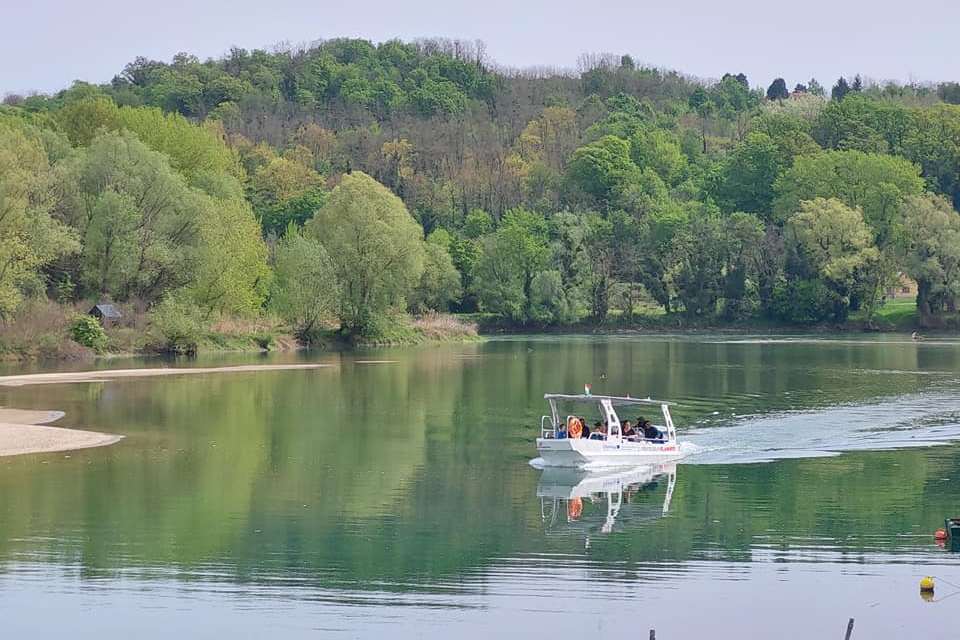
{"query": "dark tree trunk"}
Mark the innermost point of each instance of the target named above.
(923, 302)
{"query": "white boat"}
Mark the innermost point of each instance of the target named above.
(561, 443)
(562, 492)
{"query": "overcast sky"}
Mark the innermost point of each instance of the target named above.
(46, 44)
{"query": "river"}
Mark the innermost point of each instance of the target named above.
(391, 496)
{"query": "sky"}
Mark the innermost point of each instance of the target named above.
(47, 44)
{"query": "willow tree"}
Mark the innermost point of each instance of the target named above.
(931, 253)
(836, 246)
(230, 274)
(376, 248)
(146, 232)
(135, 216)
(29, 237)
(305, 290)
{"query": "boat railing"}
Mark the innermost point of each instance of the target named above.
(548, 428)
(550, 431)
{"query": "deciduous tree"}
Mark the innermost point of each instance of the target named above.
(305, 290)
(778, 90)
(836, 245)
(512, 257)
(931, 253)
(30, 237)
(376, 247)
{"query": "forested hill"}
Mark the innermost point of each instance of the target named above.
(544, 196)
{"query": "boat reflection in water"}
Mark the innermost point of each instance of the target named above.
(573, 500)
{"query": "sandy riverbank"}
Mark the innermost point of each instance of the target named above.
(111, 374)
(25, 432)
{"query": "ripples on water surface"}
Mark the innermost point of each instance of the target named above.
(391, 497)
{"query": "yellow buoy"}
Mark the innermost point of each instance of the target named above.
(926, 584)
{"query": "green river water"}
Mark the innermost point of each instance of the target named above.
(391, 496)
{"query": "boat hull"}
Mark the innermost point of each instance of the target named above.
(570, 452)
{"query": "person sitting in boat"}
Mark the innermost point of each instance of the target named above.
(586, 429)
(599, 430)
(627, 430)
(650, 432)
(582, 430)
(575, 428)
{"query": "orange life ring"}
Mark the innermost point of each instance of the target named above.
(574, 427)
(574, 508)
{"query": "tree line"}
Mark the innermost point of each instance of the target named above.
(344, 182)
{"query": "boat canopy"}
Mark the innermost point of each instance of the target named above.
(596, 398)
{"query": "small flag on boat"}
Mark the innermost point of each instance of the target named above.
(586, 389)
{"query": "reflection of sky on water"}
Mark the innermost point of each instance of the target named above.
(520, 597)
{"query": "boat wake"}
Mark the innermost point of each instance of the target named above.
(920, 420)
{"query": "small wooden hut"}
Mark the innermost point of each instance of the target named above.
(106, 313)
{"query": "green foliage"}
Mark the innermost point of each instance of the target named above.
(548, 300)
(440, 285)
(176, 326)
(512, 257)
(466, 254)
(748, 272)
(134, 214)
(748, 174)
(30, 237)
(376, 247)
(949, 92)
(627, 116)
(931, 252)
(602, 169)
(146, 233)
(478, 223)
(840, 90)
(231, 275)
(860, 123)
(393, 327)
(197, 152)
(603, 262)
(875, 183)
(778, 90)
(934, 144)
(86, 330)
(82, 120)
(660, 151)
(305, 289)
(431, 77)
(702, 256)
(803, 302)
(546, 199)
(835, 245)
(284, 191)
(659, 234)
(296, 210)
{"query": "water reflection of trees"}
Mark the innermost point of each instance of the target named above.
(414, 472)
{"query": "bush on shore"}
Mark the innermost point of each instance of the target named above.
(41, 330)
(87, 331)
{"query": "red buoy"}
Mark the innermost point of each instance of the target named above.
(940, 534)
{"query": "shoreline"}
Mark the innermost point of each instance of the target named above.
(105, 375)
(663, 329)
(24, 432)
